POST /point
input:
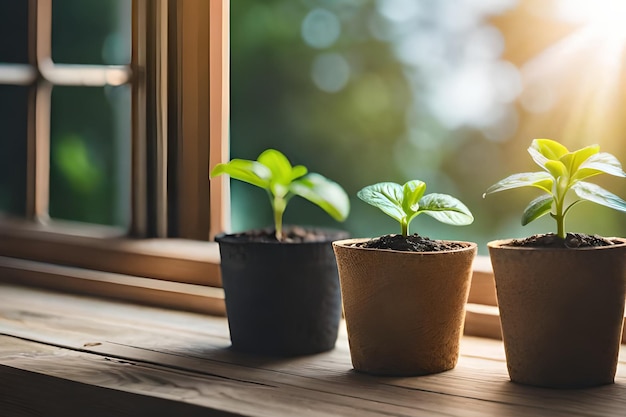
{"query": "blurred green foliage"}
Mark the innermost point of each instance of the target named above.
(75, 164)
(90, 154)
(404, 112)
(89, 126)
(274, 103)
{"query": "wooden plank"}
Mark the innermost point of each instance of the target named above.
(28, 394)
(55, 310)
(198, 345)
(226, 395)
(482, 321)
(104, 249)
(39, 380)
(483, 289)
(359, 394)
(198, 298)
(16, 300)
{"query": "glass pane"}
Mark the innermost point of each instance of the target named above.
(90, 155)
(13, 144)
(450, 92)
(91, 31)
(14, 31)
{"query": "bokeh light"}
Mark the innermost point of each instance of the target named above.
(330, 72)
(320, 28)
(450, 92)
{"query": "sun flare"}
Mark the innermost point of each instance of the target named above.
(574, 87)
(605, 17)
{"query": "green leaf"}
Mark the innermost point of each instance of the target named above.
(298, 171)
(278, 163)
(598, 164)
(325, 193)
(556, 168)
(573, 160)
(251, 172)
(595, 193)
(387, 196)
(412, 191)
(537, 156)
(538, 207)
(541, 180)
(548, 148)
(446, 209)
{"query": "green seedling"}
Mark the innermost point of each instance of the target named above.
(405, 202)
(564, 171)
(273, 172)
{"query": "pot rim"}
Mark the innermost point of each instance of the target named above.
(501, 244)
(347, 243)
(235, 238)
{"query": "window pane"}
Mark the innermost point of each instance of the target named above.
(91, 31)
(14, 31)
(13, 119)
(450, 92)
(90, 154)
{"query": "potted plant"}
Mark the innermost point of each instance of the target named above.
(281, 287)
(561, 295)
(404, 295)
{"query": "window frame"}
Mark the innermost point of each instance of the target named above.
(179, 114)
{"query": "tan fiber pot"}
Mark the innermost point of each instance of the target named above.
(561, 312)
(404, 311)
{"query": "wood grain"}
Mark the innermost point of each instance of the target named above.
(133, 358)
(27, 393)
(176, 295)
(102, 249)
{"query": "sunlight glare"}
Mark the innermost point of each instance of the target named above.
(582, 74)
(606, 17)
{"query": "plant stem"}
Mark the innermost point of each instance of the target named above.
(560, 219)
(279, 204)
(404, 225)
(560, 224)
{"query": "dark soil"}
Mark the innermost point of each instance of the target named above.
(571, 241)
(291, 234)
(412, 243)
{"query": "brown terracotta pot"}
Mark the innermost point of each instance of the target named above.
(404, 311)
(561, 312)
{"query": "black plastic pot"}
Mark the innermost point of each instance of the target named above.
(282, 299)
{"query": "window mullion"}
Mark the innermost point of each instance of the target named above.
(139, 202)
(84, 75)
(161, 99)
(38, 153)
(219, 88)
(176, 109)
(149, 66)
(190, 92)
(17, 74)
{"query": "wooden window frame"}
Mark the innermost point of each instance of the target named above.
(179, 129)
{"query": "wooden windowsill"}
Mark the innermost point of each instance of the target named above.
(67, 355)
